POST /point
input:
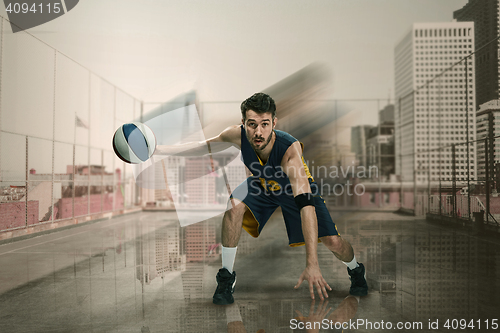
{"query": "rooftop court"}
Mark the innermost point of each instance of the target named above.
(142, 272)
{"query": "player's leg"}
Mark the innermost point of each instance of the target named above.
(340, 247)
(327, 233)
(231, 232)
(249, 209)
(232, 223)
(343, 250)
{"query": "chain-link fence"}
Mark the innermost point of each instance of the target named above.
(57, 119)
(426, 152)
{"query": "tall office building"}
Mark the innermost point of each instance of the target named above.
(488, 125)
(201, 241)
(200, 182)
(171, 167)
(169, 249)
(359, 136)
(380, 143)
(486, 18)
(432, 279)
(432, 98)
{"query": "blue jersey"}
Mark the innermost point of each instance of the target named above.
(269, 188)
(271, 175)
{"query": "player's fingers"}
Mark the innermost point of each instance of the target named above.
(320, 292)
(323, 289)
(311, 289)
(322, 307)
(301, 279)
(311, 308)
(300, 316)
(327, 285)
(326, 312)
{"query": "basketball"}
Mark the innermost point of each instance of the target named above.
(134, 143)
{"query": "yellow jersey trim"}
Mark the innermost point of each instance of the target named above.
(301, 243)
(308, 173)
(250, 223)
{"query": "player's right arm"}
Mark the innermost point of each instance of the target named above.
(231, 136)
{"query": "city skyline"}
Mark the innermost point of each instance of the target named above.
(160, 50)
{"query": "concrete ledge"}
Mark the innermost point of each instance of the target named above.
(35, 230)
(159, 209)
(406, 211)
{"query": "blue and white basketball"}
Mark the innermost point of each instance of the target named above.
(134, 143)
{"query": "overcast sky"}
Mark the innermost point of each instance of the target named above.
(229, 49)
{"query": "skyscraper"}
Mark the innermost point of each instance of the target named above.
(488, 125)
(486, 18)
(434, 89)
(359, 136)
(380, 143)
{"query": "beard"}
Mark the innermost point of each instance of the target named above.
(264, 144)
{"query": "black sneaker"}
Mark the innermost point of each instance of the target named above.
(359, 287)
(225, 287)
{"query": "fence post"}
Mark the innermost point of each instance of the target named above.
(486, 163)
(26, 185)
(453, 182)
(401, 194)
(440, 189)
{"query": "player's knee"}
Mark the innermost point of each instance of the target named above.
(333, 243)
(236, 210)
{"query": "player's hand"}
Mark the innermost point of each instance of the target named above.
(313, 317)
(312, 274)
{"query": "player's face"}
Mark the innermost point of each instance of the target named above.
(259, 128)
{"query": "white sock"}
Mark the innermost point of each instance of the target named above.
(352, 264)
(228, 256)
(356, 297)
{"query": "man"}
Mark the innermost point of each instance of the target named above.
(279, 177)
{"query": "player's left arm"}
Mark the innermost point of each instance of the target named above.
(293, 166)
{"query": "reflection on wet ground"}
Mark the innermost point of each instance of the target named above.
(144, 273)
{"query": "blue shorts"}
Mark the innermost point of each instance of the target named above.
(261, 205)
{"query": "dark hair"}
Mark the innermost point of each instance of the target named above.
(259, 103)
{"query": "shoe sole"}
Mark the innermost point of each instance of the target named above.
(223, 302)
(361, 293)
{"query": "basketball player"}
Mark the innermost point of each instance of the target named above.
(280, 177)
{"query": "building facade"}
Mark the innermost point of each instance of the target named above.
(435, 101)
(380, 143)
(485, 15)
(359, 137)
(488, 125)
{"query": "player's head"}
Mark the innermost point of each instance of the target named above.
(259, 103)
(259, 118)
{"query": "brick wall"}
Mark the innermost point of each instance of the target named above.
(13, 214)
(65, 210)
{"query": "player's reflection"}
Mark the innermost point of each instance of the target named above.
(316, 319)
(234, 321)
